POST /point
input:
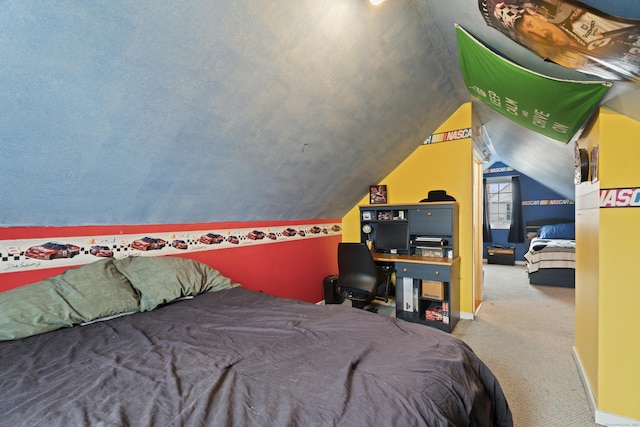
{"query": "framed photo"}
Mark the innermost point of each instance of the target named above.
(377, 194)
(384, 215)
(366, 215)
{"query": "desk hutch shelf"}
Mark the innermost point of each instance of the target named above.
(418, 275)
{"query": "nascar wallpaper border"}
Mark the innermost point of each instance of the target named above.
(43, 253)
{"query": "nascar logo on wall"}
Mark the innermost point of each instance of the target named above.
(547, 202)
(449, 136)
(620, 197)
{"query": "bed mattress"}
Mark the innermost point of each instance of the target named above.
(238, 357)
(550, 253)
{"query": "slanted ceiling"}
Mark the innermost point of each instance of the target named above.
(156, 111)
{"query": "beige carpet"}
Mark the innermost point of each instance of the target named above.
(525, 334)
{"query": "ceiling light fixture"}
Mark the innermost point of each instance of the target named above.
(376, 2)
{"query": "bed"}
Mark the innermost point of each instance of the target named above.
(551, 257)
(183, 346)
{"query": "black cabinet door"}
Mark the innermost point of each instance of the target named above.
(431, 220)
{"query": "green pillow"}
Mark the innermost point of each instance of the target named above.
(78, 295)
(163, 279)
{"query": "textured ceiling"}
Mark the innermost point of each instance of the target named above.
(148, 111)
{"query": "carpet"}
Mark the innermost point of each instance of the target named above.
(525, 335)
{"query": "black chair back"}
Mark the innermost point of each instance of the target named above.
(357, 272)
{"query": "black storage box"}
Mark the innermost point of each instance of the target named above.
(330, 294)
(503, 256)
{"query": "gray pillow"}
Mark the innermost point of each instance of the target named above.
(163, 279)
(78, 295)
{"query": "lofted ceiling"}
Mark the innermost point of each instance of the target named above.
(149, 111)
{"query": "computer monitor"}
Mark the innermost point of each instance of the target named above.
(392, 237)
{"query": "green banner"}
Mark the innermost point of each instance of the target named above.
(553, 107)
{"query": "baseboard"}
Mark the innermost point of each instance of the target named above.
(606, 419)
(601, 417)
(466, 316)
(485, 261)
(477, 310)
(585, 382)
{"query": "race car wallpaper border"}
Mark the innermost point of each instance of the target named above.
(51, 252)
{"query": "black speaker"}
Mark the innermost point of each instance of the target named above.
(330, 294)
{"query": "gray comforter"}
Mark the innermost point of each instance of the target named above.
(241, 358)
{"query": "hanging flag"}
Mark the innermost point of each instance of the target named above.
(555, 108)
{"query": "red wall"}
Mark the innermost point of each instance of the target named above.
(291, 269)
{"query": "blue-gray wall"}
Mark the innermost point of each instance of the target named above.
(538, 203)
(159, 111)
(140, 111)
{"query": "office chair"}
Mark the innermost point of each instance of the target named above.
(359, 280)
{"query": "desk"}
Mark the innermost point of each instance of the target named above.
(411, 304)
(418, 259)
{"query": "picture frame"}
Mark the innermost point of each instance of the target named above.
(378, 194)
(384, 215)
(366, 215)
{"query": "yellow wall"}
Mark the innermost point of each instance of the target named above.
(587, 271)
(613, 372)
(619, 347)
(442, 166)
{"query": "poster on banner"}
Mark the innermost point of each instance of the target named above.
(571, 34)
